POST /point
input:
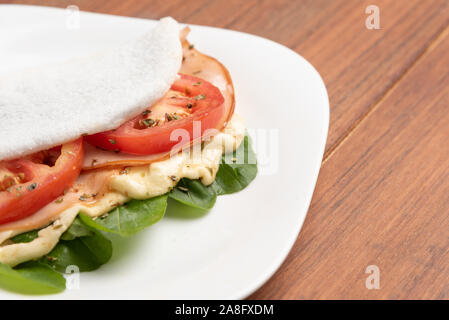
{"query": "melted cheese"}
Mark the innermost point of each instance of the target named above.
(113, 187)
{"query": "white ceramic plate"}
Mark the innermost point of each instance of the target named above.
(237, 246)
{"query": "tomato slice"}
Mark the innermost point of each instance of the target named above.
(190, 100)
(30, 183)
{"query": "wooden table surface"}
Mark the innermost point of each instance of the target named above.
(382, 196)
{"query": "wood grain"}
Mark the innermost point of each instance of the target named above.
(383, 199)
(382, 194)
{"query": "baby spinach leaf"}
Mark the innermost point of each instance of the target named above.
(235, 173)
(31, 278)
(81, 246)
(26, 237)
(76, 230)
(178, 210)
(194, 194)
(233, 177)
(131, 217)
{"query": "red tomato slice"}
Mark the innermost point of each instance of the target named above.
(30, 183)
(189, 100)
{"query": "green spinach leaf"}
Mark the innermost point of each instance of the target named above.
(26, 237)
(77, 229)
(194, 194)
(31, 278)
(131, 217)
(237, 171)
(81, 246)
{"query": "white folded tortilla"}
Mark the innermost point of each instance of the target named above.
(44, 107)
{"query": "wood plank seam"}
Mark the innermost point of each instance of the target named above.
(433, 43)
